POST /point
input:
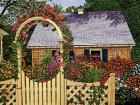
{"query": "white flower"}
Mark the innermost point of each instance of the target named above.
(136, 89)
(118, 79)
(125, 85)
(121, 84)
(118, 88)
(122, 81)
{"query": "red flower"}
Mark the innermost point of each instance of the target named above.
(70, 77)
(72, 69)
(43, 81)
(40, 4)
(79, 75)
(57, 55)
(63, 64)
(36, 13)
(103, 81)
(32, 7)
(44, 16)
(122, 72)
(4, 91)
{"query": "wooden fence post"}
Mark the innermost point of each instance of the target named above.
(19, 81)
(62, 86)
(111, 89)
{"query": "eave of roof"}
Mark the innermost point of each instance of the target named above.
(2, 32)
(85, 46)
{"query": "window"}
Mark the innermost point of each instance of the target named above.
(96, 54)
(53, 53)
(105, 54)
(71, 55)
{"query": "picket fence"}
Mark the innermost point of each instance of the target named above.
(54, 92)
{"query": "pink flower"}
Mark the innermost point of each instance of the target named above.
(40, 4)
(79, 75)
(36, 13)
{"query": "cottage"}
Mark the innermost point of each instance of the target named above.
(2, 33)
(104, 35)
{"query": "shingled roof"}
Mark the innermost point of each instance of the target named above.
(107, 28)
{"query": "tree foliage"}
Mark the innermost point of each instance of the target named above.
(70, 9)
(58, 8)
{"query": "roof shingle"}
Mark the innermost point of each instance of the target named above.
(92, 28)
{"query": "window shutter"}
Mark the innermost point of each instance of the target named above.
(53, 52)
(86, 52)
(105, 55)
(71, 56)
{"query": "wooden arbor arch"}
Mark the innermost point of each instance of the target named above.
(19, 54)
(24, 24)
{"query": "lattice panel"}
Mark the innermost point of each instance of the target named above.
(7, 94)
(80, 95)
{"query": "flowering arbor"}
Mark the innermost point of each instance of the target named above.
(61, 82)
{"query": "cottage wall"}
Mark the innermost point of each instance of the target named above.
(124, 52)
(37, 56)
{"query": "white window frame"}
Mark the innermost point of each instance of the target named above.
(97, 49)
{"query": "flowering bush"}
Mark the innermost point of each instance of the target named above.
(82, 70)
(127, 79)
(82, 65)
(7, 70)
(45, 71)
(133, 84)
(127, 74)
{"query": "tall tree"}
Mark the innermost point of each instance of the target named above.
(14, 8)
(58, 8)
(70, 9)
(101, 5)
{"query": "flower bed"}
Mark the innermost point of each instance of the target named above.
(43, 72)
(127, 75)
(84, 70)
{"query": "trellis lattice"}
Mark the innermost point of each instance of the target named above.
(80, 93)
(7, 94)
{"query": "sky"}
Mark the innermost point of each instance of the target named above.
(67, 3)
(64, 3)
(1, 9)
